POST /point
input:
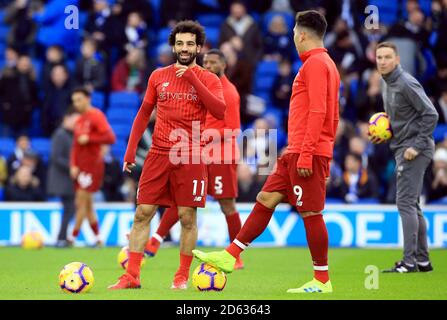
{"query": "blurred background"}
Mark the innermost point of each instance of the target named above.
(118, 43)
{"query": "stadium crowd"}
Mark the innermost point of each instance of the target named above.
(120, 42)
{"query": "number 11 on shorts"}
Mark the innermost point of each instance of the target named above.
(202, 190)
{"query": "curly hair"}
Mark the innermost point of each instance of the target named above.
(188, 26)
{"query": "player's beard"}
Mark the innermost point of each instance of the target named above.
(192, 56)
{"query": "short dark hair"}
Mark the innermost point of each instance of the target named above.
(218, 53)
(70, 111)
(188, 26)
(313, 20)
(82, 90)
(388, 44)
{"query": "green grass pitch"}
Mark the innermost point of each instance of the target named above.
(268, 274)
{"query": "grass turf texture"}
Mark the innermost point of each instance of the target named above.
(268, 274)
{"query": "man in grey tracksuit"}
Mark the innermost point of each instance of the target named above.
(59, 183)
(413, 119)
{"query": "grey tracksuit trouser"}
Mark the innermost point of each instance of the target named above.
(410, 176)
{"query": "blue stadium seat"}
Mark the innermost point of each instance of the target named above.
(210, 3)
(7, 146)
(42, 146)
(442, 201)
(267, 68)
(124, 100)
(122, 116)
(2, 50)
(98, 100)
(296, 66)
(2, 194)
(334, 201)
(440, 132)
(368, 201)
(38, 66)
(264, 83)
(288, 17)
(119, 149)
(36, 127)
(4, 30)
(71, 65)
(213, 20)
(264, 95)
(212, 35)
(121, 131)
(163, 35)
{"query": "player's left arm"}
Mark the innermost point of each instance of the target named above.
(316, 78)
(211, 94)
(416, 96)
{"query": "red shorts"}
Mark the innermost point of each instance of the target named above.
(90, 179)
(166, 184)
(222, 181)
(306, 194)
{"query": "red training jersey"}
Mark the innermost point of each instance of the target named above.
(94, 124)
(180, 101)
(314, 108)
(232, 120)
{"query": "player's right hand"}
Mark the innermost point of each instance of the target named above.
(74, 172)
(127, 167)
(375, 140)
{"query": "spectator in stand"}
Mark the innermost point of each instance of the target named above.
(18, 96)
(345, 56)
(368, 100)
(410, 37)
(57, 99)
(345, 132)
(54, 56)
(23, 186)
(240, 27)
(113, 176)
(23, 29)
(436, 178)
(247, 185)
(11, 58)
(358, 182)
(60, 183)
(437, 82)
(439, 17)
(131, 73)
(3, 172)
(104, 27)
(165, 57)
(282, 86)
(173, 11)
(122, 8)
(90, 69)
(278, 43)
(441, 106)
(136, 32)
(240, 72)
(52, 29)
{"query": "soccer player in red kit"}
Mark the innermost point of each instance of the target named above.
(87, 164)
(183, 93)
(301, 173)
(222, 175)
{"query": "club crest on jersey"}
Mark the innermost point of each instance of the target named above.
(165, 84)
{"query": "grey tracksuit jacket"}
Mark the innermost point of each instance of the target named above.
(413, 116)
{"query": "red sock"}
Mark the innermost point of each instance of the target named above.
(317, 239)
(185, 265)
(255, 224)
(75, 233)
(234, 224)
(169, 218)
(95, 228)
(134, 266)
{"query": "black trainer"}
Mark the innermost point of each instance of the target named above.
(426, 268)
(401, 267)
